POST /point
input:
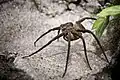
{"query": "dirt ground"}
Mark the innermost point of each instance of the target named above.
(21, 24)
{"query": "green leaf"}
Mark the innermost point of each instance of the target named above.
(110, 11)
(99, 25)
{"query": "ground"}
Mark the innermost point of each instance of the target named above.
(21, 24)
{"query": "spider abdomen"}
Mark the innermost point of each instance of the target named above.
(72, 37)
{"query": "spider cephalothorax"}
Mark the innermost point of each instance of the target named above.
(70, 32)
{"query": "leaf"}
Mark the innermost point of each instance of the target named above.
(110, 11)
(99, 25)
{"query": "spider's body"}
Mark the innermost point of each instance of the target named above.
(70, 32)
(72, 29)
(69, 28)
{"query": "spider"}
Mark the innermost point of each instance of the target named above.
(70, 32)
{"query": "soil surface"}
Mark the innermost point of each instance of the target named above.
(21, 24)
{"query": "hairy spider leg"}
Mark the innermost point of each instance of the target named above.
(56, 37)
(88, 31)
(85, 51)
(68, 53)
(56, 28)
(58, 33)
(81, 20)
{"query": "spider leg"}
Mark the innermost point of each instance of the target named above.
(56, 37)
(68, 52)
(36, 4)
(88, 31)
(81, 20)
(85, 1)
(85, 52)
(58, 33)
(56, 28)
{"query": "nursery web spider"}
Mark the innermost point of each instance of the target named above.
(70, 32)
